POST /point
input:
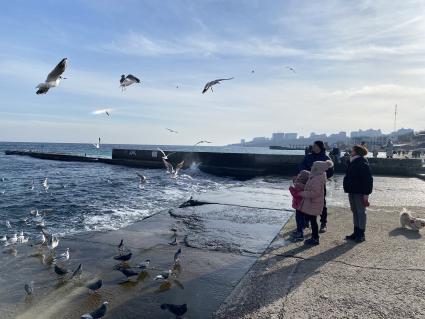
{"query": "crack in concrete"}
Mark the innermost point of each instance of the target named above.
(349, 264)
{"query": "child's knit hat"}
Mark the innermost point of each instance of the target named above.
(320, 167)
(303, 177)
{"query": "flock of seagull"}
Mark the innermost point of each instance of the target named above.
(51, 241)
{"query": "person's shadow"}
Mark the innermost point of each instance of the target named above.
(408, 233)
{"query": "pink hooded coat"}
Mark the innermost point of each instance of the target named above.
(314, 191)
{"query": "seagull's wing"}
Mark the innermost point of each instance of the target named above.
(218, 80)
(57, 71)
(168, 166)
(179, 166)
(132, 78)
(206, 87)
(161, 152)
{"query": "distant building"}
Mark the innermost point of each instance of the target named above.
(366, 133)
(243, 141)
(291, 136)
(278, 137)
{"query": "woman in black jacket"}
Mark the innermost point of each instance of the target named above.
(358, 183)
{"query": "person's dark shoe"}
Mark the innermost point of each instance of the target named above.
(323, 229)
(353, 236)
(360, 236)
(312, 242)
(297, 236)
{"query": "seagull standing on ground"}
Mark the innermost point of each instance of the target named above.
(177, 255)
(29, 288)
(53, 78)
(77, 272)
(62, 257)
(95, 286)
(127, 81)
(98, 313)
(209, 85)
(54, 242)
(164, 275)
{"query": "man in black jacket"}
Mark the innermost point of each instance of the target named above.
(358, 183)
(318, 154)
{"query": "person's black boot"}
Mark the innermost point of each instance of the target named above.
(360, 236)
(353, 236)
(323, 228)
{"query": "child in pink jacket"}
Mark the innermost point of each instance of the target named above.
(314, 197)
(295, 189)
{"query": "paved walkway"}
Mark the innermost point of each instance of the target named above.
(383, 277)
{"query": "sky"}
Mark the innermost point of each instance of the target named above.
(353, 60)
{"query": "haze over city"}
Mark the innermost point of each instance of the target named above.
(353, 62)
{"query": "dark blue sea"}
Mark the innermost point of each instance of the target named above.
(94, 196)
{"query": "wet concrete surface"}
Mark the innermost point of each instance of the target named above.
(219, 245)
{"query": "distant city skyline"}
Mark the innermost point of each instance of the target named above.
(353, 62)
(293, 138)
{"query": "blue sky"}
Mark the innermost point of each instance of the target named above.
(354, 61)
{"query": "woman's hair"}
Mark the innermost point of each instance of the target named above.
(321, 145)
(360, 150)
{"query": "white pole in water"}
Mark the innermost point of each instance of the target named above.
(395, 119)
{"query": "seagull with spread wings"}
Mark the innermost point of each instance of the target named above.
(102, 111)
(165, 156)
(54, 77)
(202, 142)
(291, 69)
(128, 80)
(171, 131)
(210, 84)
(171, 170)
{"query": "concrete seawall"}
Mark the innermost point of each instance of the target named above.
(240, 165)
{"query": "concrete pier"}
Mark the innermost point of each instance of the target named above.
(239, 165)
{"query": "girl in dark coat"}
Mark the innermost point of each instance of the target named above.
(358, 183)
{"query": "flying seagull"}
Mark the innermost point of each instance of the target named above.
(97, 145)
(53, 78)
(172, 131)
(177, 310)
(127, 81)
(202, 142)
(98, 313)
(171, 170)
(142, 178)
(95, 286)
(209, 85)
(102, 111)
(46, 184)
(164, 156)
(291, 69)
